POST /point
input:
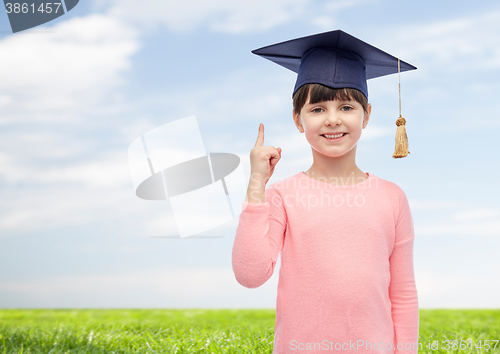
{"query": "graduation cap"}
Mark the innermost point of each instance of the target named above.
(338, 60)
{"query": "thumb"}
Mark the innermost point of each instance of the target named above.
(275, 159)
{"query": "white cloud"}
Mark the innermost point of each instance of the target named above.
(77, 193)
(344, 4)
(36, 210)
(60, 76)
(257, 15)
(330, 10)
(472, 222)
(217, 287)
(469, 290)
(462, 45)
(69, 68)
(228, 16)
(475, 214)
(161, 225)
(372, 132)
(108, 171)
(435, 204)
(159, 287)
(324, 23)
(71, 194)
(64, 189)
(484, 228)
(5, 100)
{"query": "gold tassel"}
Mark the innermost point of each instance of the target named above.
(401, 149)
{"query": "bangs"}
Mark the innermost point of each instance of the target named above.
(319, 93)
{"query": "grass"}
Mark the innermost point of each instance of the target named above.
(203, 331)
(475, 326)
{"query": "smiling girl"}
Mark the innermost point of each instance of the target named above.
(346, 280)
(317, 112)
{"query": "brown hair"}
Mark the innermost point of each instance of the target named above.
(319, 93)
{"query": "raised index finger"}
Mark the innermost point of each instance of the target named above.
(260, 137)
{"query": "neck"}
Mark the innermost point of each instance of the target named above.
(336, 170)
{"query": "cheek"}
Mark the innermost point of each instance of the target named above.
(358, 123)
(310, 129)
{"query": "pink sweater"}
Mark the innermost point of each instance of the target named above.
(346, 281)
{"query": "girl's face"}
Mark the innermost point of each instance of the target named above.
(332, 117)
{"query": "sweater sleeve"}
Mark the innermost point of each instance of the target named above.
(259, 239)
(402, 288)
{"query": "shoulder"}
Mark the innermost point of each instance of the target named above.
(388, 186)
(395, 194)
(284, 185)
(278, 191)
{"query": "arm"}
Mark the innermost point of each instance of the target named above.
(259, 239)
(402, 288)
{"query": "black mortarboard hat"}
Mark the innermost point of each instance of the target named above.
(334, 59)
(337, 60)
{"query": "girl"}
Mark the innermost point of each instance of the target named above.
(346, 280)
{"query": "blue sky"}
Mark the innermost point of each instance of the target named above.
(75, 92)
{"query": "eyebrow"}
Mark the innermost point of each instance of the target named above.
(341, 100)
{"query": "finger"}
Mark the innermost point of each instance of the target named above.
(279, 152)
(275, 158)
(260, 137)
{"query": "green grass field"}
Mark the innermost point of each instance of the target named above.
(206, 331)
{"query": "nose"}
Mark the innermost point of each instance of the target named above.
(332, 118)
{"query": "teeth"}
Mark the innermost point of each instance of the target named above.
(334, 136)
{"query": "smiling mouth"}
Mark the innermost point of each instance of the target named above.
(340, 137)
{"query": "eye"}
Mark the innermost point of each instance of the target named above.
(346, 108)
(317, 110)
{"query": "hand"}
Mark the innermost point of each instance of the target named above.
(263, 159)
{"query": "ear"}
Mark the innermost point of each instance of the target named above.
(367, 115)
(296, 119)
